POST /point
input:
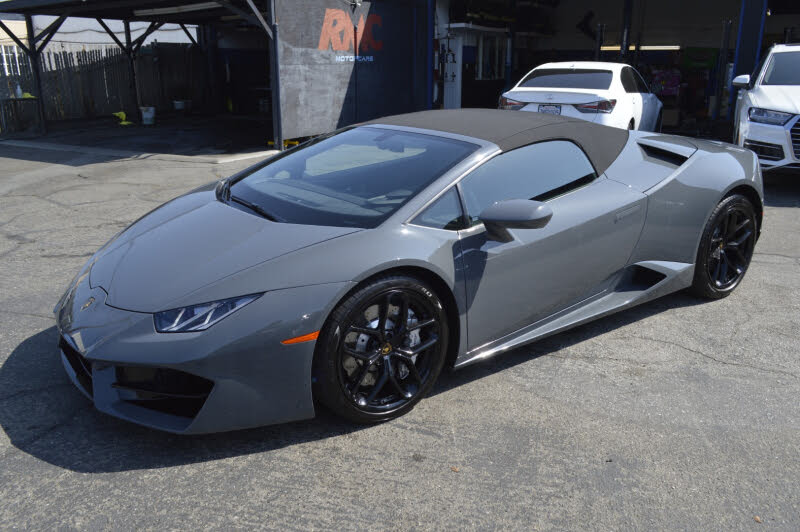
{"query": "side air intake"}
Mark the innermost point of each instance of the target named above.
(662, 155)
(638, 279)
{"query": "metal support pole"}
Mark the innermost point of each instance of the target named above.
(134, 87)
(429, 56)
(748, 42)
(722, 62)
(188, 34)
(209, 44)
(355, 74)
(275, 80)
(111, 34)
(509, 61)
(36, 67)
(625, 39)
(598, 41)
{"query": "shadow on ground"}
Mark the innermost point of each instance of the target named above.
(45, 417)
(563, 340)
(782, 189)
(174, 135)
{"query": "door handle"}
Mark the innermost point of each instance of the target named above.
(627, 212)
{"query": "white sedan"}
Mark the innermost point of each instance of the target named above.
(768, 109)
(613, 94)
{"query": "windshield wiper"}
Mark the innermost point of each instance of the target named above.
(255, 208)
(223, 190)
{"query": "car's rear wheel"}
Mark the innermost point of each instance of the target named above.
(726, 248)
(381, 350)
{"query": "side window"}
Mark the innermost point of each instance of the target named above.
(538, 171)
(626, 77)
(445, 213)
(641, 86)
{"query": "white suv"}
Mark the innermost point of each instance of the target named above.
(768, 109)
(613, 94)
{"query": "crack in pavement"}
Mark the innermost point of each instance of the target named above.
(776, 255)
(30, 391)
(26, 314)
(38, 435)
(67, 256)
(709, 357)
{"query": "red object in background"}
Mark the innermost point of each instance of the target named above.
(337, 32)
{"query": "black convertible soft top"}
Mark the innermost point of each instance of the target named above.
(512, 129)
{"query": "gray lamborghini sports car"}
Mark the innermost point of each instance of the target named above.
(349, 271)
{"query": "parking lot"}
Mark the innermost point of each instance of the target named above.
(679, 414)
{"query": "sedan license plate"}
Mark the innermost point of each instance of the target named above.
(550, 109)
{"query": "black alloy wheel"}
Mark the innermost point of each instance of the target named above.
(726, 248)
(383, 347)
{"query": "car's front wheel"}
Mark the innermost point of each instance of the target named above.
(726, 248)
(381, 350)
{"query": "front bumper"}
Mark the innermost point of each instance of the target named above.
(234, 375)
(777, 147)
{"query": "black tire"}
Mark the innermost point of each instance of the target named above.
(358, 373)
(726, 248)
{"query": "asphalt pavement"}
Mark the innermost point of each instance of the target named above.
(679, 414)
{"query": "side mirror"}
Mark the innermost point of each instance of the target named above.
(742, 81)
(514, 214)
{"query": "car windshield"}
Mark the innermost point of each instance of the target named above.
(568, 78)
(356, 178)
(784, 69)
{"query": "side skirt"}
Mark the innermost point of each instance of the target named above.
(636, 284)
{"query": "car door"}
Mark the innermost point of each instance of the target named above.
(595, 225)
(650, 103)
(632, 94)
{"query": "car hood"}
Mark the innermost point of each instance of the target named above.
(784, 98)
(190, 243)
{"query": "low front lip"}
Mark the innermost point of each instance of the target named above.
(256, 380)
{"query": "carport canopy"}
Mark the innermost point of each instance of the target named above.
(157, 13)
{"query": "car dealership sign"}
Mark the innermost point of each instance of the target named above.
(340, 33)
(341, 65)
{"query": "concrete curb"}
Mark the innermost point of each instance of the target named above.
(124, 154)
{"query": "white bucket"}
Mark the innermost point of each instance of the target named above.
(148, 115)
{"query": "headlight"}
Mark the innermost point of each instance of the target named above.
(199, 317)
(765, 116)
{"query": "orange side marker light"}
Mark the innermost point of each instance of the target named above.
(300, 339)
